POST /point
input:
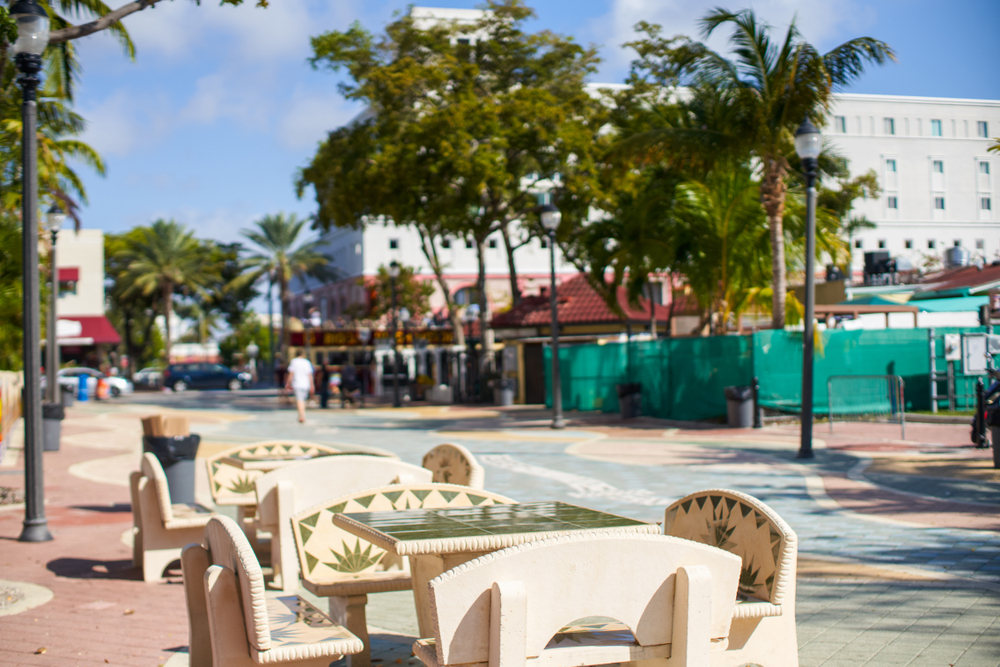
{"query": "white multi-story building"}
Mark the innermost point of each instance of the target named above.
(938, 181)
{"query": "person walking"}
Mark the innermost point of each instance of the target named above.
(300, 380)
(324, 386)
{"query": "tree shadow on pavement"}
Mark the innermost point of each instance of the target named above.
(88, 568)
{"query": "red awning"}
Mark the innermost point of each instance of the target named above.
(69, 274)
(92, 330)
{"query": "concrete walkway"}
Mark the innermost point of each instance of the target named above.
(899, 559)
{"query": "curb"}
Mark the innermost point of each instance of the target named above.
(939, 419)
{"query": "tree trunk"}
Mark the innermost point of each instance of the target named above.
(486, 361)
(515, 288)
(430, 252)
(652, 311)
(773, 197)
(168, 309)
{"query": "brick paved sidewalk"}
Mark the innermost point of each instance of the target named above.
(863, 608)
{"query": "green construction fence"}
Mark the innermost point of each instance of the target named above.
(683, 378)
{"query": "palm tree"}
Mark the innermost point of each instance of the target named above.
(769, 88)
(164, 257)
(282, 257)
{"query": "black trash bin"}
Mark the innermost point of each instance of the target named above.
(176, 454)
(52, 416)
(739, 406)
(68, 395)
(629, 399)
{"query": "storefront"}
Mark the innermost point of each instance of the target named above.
(430, 363)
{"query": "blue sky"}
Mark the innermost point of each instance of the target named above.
(220, 109)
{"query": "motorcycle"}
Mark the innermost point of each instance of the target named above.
(989, 415)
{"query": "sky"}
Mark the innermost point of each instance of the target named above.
(210, 123)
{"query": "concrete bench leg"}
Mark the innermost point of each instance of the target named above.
(350, 613)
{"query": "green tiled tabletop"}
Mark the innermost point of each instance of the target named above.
(465, 529)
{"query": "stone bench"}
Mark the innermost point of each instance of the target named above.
(347, 568)
(161, 529)
(234, 623)
(764, 615)
(671, 601)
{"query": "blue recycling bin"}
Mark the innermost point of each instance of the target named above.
(81, 392)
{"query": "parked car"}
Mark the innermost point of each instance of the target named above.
(150, 378)
(181, 377)
(70, 377)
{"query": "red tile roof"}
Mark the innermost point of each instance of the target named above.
(961, 277)
(578, 304)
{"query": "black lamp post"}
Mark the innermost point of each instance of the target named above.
(307, 302)
(551, 217)
(393, 274)
(54, 220)
(32, 38)
(471, 361)
(270, 324)
(808, 144)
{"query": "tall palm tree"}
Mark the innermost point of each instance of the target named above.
(164, 257)
(282, 257)
(769, 88)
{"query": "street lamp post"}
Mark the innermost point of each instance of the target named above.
(54, 220)
(393, 274)
(471, 362)
(551, 217)
(808, 144)
(32, 38)
(270, 324)
(307, 302)
(404, 317)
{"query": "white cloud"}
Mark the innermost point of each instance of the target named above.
(821, 22)
(311, 116)
(122, 122)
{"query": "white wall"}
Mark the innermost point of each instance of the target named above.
(868, 145)
(83, 250)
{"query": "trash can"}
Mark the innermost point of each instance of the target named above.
(739, 406)
(68, 395)
(629, 399)
(176, 454)
(52, 416)
(503, 392)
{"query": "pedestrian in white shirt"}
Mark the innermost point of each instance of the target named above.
(300, 380)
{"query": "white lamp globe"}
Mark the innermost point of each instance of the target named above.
(32, 27)
(551, 217)
(808, 140)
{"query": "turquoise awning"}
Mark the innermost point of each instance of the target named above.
(952, 305)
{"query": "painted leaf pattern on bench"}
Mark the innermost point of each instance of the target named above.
(734, 525)
(232, 485)
(317, 537)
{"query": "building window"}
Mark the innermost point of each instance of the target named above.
(858, 243)
(492, 243)
(544, 242)
(935, 128)
(889, 125)
(980, 244)
(958, 243)
(393, 244)
(881, 244)
(466, 295)
(984, 168)
(464, 41)
(892, 202)
(939, 203)
(445, 243)
(931, 244)
(982, 129)
(468, 244)
(840, 124)
(938, 166)
(908, 244)
(890, 165)
(985, 204)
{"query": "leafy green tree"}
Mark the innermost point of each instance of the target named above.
(11, 289)
(131, 312)
(464, 131)
(280, 256)
(163, 258)
(411, 292)
(766, 90)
